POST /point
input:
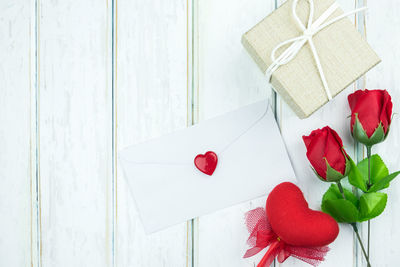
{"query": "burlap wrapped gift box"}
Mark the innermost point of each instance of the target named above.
(343, 53)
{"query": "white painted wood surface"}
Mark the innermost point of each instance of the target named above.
(333, 114)
(82, 79)
(228, 79)
(383, 34)
(15, 139)
(75, 133)
(151, 100)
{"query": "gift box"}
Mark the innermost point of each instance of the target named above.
(342, 52)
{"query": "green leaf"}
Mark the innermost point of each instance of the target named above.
(378, 169)
(333, 193)
(356, 178)
(361, 136)
(358, 131)
(371, 205)
(332, 175)
(348, 163)
(378, 135)
(319, 177)
(384, 182)
(342, 210)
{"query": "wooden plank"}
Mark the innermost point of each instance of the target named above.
(15, 167)
(227, 79)
(75, 125)
(218, 250)
(383, 35)
(151, 100)
(292, 128)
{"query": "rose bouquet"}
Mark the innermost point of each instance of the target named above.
(371, 114)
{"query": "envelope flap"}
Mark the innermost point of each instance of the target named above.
(215, 134)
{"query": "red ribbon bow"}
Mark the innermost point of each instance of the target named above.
(262, 236)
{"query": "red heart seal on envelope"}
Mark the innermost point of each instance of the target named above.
(294, 222)
(206, 163)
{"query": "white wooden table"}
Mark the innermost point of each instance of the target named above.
(79, 80)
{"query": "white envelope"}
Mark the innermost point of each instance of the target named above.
(169, 189)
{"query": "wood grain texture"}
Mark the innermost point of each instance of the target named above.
(81, 222)
(292, 129)
(75, 126)
(151, 100)
(218, 83)
(15, 126)
(382, 32)
(227, 79)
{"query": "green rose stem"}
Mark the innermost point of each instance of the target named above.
(361, 244)
(369, 165)
(368, 186)
(355, 228)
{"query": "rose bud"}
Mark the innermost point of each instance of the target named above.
(371, 115)
(326, 154)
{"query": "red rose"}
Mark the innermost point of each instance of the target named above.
(371, 114)
(326, 154)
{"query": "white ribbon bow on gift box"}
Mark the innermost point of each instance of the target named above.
(308, 32)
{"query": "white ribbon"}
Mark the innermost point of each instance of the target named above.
(308, 32)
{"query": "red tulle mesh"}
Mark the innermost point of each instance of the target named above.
(262, 236)
(256, 221)
(312, 255)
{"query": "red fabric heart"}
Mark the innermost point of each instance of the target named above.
(294, 222)
(206, 163)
